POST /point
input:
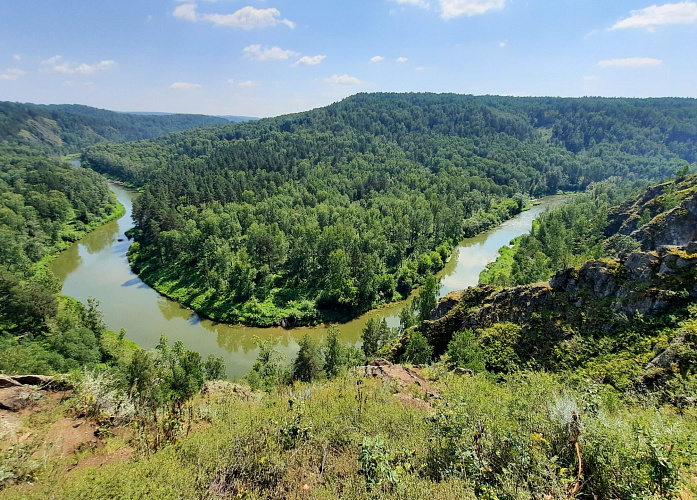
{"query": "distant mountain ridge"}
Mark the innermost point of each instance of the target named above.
(67, 128)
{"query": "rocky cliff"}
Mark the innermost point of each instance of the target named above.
(600, 296)
(665, 214)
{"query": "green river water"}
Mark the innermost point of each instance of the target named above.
(96, 266)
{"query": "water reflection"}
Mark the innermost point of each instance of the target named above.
(97, 267)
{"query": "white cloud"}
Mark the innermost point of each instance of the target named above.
(457, 8)
(57, 64)
(11, 74)
(503, 44)
(52, 60)
(258, 53)
(420, 68)
(631, 62)
(248, 84)
(186, 12)
(419, 3)
(402, 59)
(246, 18)
(230, 82)
(660, 15)
(310, 61)
(344, 80)
(185, 86)
(376, 59)
(16, 57)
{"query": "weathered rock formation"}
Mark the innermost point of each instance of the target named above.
(19, 391)
(601, 295)
(653, 221)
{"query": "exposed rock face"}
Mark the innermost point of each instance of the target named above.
(598, 296)
(17, 398)
(6, 381)
(445, 304)
(676, 227)
(667, 224)
(18, 391)
(403, 375)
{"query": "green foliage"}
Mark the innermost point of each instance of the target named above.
(418, 351)
(427, 298)
(510, 439)
(64, 128)
(182, 371)
(307, 365)
(214, 368)
(407, 318)
(376, 464)
(498, 346)
(268, 369)
(44, 206)
(621, 243)
(464, 351)
(350, 206)
(499, 272)
(375, 334)
(333, 353)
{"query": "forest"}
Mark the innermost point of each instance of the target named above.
(580, 397)
(582, 386)
(61, 129)
(45, 205)
(324, 214)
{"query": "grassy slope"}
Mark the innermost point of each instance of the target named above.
(246, 445)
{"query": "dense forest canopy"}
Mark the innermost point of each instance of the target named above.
(67, 128)
(344, 207)
(45, 205)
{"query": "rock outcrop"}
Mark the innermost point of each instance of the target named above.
(665, 214)
(601, 295)
(20, 391)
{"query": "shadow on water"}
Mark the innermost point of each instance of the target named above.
(97, 267)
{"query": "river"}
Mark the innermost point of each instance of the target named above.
(96, 266)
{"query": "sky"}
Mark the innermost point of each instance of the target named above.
(270, 57)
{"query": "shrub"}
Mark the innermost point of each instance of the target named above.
(463, 351)
(418, 350)
(307, 365)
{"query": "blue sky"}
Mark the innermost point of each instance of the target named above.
(269, 57)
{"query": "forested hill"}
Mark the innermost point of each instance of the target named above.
(67, 128)
(344, 207)
(543, 143)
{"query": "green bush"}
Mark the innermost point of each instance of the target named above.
(464, 351)
(418, 350)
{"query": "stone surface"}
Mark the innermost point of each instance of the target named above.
(38, 380)
(17, 398)
(6, 381)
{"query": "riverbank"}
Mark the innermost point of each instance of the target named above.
(76, 235)
(97, 266)
(192, 290)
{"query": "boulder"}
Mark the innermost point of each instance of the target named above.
(38, 380)
(18, 398)
(6, 381)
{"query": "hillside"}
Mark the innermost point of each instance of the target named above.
(580, 387)
(327, 213)
(67, 128)
(611, 320)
